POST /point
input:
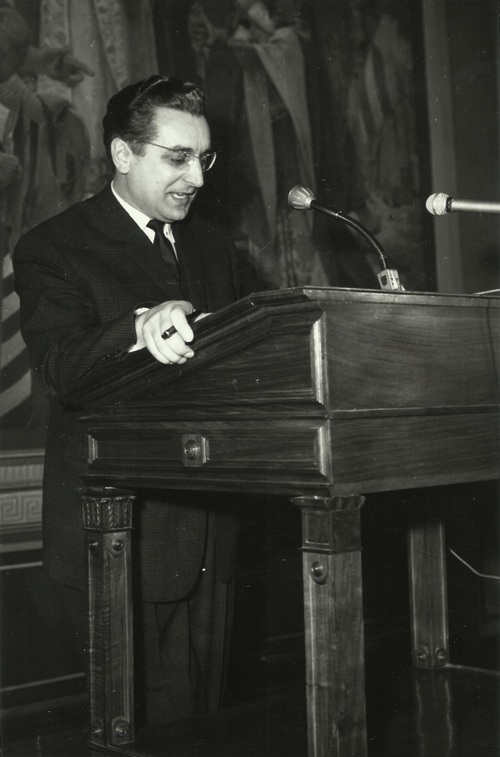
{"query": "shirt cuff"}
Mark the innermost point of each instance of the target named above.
(138, 346)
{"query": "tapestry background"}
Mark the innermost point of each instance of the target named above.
(327, 95)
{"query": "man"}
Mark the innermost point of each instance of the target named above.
(93, 287)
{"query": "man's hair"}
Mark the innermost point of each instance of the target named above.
(130, 113)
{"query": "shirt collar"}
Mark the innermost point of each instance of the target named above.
(138, 216)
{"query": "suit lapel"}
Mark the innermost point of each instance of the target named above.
(133, 243)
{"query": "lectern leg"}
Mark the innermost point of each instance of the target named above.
(428, 595)
(107, 515)
(333, 606)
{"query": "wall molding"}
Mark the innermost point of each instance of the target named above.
(21, 470)
(21, 474)
(20, 509)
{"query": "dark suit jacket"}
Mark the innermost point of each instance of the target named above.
(80, 277)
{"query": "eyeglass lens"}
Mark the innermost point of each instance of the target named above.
(181, 158)
(207, 160)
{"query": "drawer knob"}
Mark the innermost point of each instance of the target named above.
(194, 449)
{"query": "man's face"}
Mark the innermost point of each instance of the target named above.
(150, 182)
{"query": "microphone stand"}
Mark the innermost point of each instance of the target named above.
(301, 198)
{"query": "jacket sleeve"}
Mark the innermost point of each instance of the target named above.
(66, 338)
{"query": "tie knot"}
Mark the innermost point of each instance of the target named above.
(157, 226)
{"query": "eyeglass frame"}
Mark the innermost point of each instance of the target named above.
(189, 155)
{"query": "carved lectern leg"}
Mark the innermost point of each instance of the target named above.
(428, 596)
(333, 606)
(107, 515)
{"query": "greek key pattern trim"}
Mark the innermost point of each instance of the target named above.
(20, 509)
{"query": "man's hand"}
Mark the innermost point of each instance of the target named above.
(151, 324)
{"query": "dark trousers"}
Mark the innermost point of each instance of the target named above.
(180, 648)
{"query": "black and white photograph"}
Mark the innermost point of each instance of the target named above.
(250, 378)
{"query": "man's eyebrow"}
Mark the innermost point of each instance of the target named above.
(187, 149)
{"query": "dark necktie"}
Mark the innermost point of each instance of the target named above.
(165, 247)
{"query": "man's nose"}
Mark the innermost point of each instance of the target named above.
(194, 173)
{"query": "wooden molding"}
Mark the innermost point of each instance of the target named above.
(21, 469)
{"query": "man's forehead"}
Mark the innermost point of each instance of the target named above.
(178, 123)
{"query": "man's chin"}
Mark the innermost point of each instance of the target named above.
(179, 210)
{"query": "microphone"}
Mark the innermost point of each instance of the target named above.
(301, 198)
(439, 204)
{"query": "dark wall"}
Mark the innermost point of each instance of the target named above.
(474, 53)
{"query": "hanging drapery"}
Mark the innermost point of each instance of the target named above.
(115, 39)
(250, 62)
(46, 142)
(55, 134)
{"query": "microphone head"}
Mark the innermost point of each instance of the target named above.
(437, 204)
(300, 198)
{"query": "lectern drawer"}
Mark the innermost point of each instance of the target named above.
(291, 448)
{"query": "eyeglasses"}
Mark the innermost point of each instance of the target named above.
(182, 158)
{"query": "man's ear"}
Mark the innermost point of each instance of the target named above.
(121, 154)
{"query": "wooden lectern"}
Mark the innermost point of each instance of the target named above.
(322, 394)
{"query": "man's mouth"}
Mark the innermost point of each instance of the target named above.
(182, 195)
